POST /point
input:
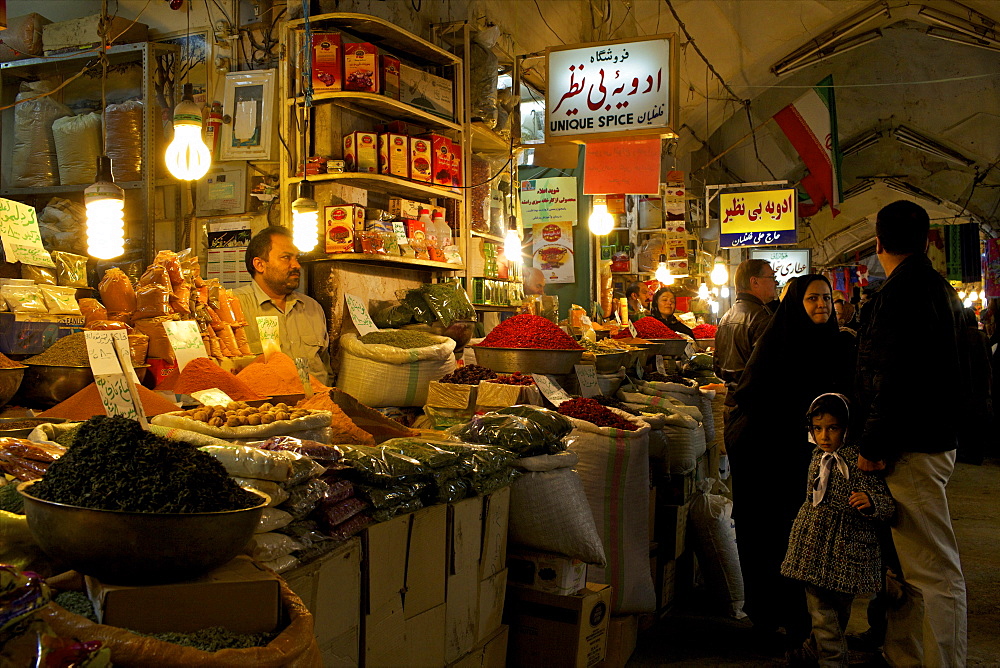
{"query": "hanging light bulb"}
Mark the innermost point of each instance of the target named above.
(187, 156)
(720, 273)
(512, 242)
(305, 219)
(662, 273)
(967, 303)
(724, 292)
(703, 291)
(961, 294)
(715, 306)
(974, 296)
(601, 222)
(105, 204)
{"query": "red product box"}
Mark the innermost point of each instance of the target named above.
(442, 159)
(361, 152)
(415, 229)
(327, 62)
(456, 164)
(341, 222)
(390, 76)
(420, 159)
(361, 71)
(394, 154)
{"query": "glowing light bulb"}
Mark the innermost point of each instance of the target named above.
(967, 303)
(724, 292)
(703, 291)
(305, 220)
(720, 273)
(961, 294)
(601, 222)
(662, 273)
(512, 246)
(105, 204)
(974, 296)
(187, 157)
(715, 306)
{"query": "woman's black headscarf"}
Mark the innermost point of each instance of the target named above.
(792, 326)
(668, 319)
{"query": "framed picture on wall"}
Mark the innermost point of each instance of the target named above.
(249, 102)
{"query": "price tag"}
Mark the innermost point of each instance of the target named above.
(359, 314)
(548, 386)
(399, 229)
(212, 397)
(267, 327)
(659, 365)
(303, 367)
(185, 339)
(109, 355)
(689, 350)
(22, 241)
(587, 375)
(618, 317)
(632, 331)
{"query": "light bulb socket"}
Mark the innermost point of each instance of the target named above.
(104, 173)
(104, 187)
(305, 203)
(187, 111)
(663, 258)
(512, 223)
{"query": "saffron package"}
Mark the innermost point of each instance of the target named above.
(327, 62)
(361, 70)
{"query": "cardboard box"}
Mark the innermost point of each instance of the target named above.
(462, 603)
(394, 154)
(496, 395)
(404, 208)
(341, 652)
(456, 164)
(390, 76)
(558, 631)
(492, 653)
(426, 91)
(361, 152)
(451, 395)
(425, 639)
(241, 596)
(442, 159)
(327, 62)
(623, 632)
(420, 160)
(671, 529)
(384, 635)
(361, 69)
(426, 560)
(492, 592)
(548, 572)
(496, 511)
(341, 223)
(81, 34)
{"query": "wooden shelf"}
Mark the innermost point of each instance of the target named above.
(485, 140)
(383, 34)
(384, 107)
(85, 54)
(55, 190)
(371, 258)
(384, 183)
(491, 307)
(487, 236)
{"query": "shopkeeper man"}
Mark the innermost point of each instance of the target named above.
(273, 263)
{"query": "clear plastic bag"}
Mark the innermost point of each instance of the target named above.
(385, 497)
(524, 430)
(24, 299)
(40, 275)
(429, 453)
(352, 526)
(393, 315)
(273, 518)
(448, 301)
(60, 300)
(152, 296)
(421, 311)
(117, 292)
(78, 145)
(270, 546)
(71, 269)
(285, 467)
(483, 70)
(324, 454)
(124, 139)
(302, 499)
(335, 514)
(305, 532)
(277, 493)
(381, 467)
(482, 461)
(386, 514)
(338, 490)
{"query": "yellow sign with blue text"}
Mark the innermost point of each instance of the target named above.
(762, 218)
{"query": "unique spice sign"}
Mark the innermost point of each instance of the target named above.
(612, 88)
(22, 241)
(762, 218)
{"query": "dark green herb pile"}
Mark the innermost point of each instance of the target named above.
(11, 499)
(66, 437)
(115, 465)
(76, 602)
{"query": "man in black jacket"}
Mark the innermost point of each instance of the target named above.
(742, 325)
(911, 370)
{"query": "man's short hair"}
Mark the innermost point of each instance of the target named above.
(902, 227)
(749, 269)
(633, 289)
(260, 245)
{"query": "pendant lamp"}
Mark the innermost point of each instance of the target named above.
(188, 158)
(512, 242)
(305, 219)
(601, 222)
(662, 273)
(720, 273)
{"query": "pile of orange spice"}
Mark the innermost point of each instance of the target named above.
(202, 373)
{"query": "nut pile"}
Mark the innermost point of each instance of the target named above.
(240, 414)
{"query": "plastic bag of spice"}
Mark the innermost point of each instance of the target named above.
(335, 514)
(380, 375)
(288, 468)
(277, 493)
(421, 311)
(117, 292)
(40, 275)
(393, 315)
(239, 333)
(518, 434)
(268, 546)
(159, 345)
(303, 498)
(433, 454)
(92, 310)
(60, 300)
(71, 269)
(152, 296)
(381, 467)
(448, 301)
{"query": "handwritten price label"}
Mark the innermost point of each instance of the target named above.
(548, 386)
(110, 360)
(115, 395)
(212, 397)
(22, 242)
(267, 326)
(359, 314)
(303, 368)
(632, 330)
(185, 339)
(587, 375)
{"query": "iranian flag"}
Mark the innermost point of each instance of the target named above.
(810, 123)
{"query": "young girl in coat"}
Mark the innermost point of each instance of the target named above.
(833, 547)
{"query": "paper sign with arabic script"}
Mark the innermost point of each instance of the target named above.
(611, 87)
(22, 241)
(548, 200)
(763, 218)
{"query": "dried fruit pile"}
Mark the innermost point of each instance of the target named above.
(239, 414)
(591, 411)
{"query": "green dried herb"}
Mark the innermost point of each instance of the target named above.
(11, 499)
(68, 351)
(400, 339)
(76, 602)
(116, 465)
(213, 639)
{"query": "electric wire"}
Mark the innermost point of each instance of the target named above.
(542, 16)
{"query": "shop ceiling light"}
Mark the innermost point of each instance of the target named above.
(601, 222)
(974, 296)
(825, 45)
(105, 204)
(662, 273)
(914, 139)
(720, 273)
(188, 158)
(984, 31)
(703, 291)
(512, 242)
(959, 38)
(724, 292)
(305, 219)
(861, 143)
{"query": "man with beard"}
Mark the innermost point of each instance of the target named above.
(272, 261)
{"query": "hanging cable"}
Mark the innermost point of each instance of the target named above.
(690, 39)
(753, 133)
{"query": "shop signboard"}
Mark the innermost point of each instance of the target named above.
(552, 251)
(787, 264)
(761, 218)
(548, 200)
(610, 89)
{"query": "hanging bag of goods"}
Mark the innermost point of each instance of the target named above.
(614, 468)
(380, 375)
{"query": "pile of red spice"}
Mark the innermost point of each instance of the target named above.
(202, 373)
(276, 376)
(704, 331)
(86, 403)
(529, 331)
(649, 327)
(7, 363)
(583, 408)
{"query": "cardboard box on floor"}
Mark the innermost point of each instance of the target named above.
(241, 596)
(491, 653)
(546, 571)
(558, 631)
(623, 631)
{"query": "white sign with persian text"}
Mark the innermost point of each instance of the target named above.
(787, 264)
(22, 241)
(609, 87)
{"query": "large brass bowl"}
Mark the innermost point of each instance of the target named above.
(138, 548)
(527, 360)
(671, 347)
(46, 385)
(10, 380)
(610, 362)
